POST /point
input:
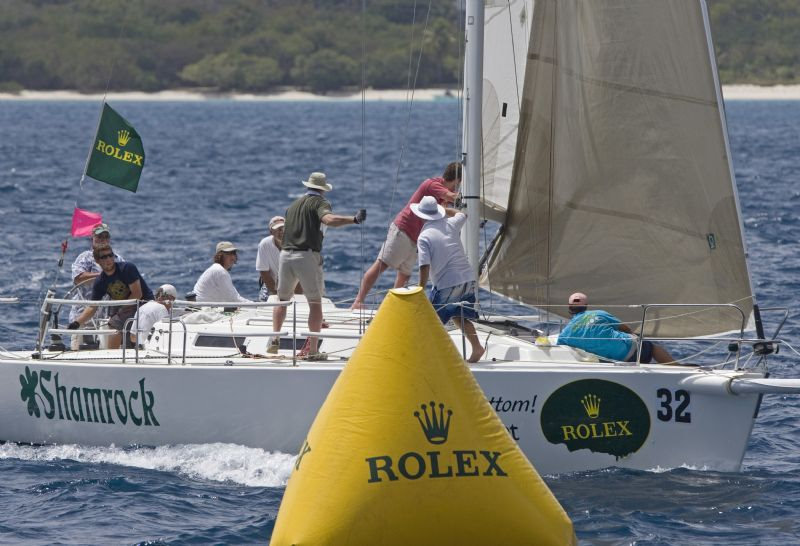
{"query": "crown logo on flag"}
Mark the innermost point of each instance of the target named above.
(123, 137)
(591, 403)
(435, 425)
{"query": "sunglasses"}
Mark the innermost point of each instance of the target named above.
(105, 256)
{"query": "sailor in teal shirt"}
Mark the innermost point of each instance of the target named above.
(605, 335)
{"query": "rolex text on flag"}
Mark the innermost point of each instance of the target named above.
(117, 156)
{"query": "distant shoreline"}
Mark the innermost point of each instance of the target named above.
(188, 96)
(730, 92)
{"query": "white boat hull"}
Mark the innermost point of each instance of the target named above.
(640, 417)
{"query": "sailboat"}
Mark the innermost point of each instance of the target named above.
(596, 138)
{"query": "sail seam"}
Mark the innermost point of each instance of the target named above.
(632, 216)
(620, 86)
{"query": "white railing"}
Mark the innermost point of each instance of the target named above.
(295, 333)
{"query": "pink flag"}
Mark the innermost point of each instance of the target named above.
(83, 221)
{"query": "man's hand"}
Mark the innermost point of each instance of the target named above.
(74, 325)
(360, 216)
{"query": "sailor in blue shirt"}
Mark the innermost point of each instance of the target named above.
(120, 281)
(605, 335)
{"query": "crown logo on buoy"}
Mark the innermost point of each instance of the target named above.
(435, 426)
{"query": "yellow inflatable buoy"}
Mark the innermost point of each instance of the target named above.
(407, 450)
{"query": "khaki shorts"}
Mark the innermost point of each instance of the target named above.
(303, 266)
(399, 251)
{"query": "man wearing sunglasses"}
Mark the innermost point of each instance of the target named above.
(84, 268)
(119, 281)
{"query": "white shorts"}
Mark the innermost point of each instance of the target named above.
(399, 251)
(305, 267)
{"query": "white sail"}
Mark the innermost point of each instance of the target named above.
(506, 36)
(622, 185)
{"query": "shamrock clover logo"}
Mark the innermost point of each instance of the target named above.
(29, 382)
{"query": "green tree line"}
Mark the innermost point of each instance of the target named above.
(319, 45)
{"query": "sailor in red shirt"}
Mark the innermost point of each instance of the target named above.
(400, 249)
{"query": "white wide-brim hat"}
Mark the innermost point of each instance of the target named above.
(428, 208)
(318, 181)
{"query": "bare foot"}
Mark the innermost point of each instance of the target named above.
(476, 355)
(357, 305)
(325, 324)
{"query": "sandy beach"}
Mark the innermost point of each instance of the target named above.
(730, 92)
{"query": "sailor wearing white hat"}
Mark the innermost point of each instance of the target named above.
(442, 257)
(152, 311)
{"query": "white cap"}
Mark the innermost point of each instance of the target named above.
(166, 290)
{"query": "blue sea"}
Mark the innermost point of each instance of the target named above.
(218, 170)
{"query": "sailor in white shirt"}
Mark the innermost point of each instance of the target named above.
(215, 284)
(268, 258)
(152, 311)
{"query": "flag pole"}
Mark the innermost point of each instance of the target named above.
(91, 146)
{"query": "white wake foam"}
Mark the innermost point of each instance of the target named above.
(218, 462)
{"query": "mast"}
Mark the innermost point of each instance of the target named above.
(473, 127)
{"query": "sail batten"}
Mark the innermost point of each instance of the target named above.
(621, 185)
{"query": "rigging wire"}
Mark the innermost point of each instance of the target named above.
(410, 89)
(363, 134)
(404, 134)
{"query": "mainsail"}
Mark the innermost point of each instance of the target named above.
(622, 185)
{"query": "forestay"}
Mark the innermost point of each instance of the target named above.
(622, 185)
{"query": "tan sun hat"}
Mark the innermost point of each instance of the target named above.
(226, 246)
(99, 229)
(318, 181)
(276, 222)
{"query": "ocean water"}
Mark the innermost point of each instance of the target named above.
(218, 170)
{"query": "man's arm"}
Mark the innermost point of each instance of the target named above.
(424, 274)
(82, 318)
(136, 290)
(266, 278)
(225, 285)
(85, 276)
(443, 194)
(337, 220)
(450, 197)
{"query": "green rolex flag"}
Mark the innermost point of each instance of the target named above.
(117, 155)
